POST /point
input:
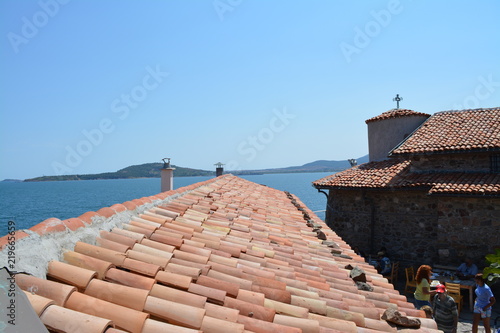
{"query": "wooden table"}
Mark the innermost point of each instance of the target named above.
(464, 284)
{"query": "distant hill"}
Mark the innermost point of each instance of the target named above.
(152, 170)
(148, 170)
(316, 166)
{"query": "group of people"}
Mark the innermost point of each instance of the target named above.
(444, 309)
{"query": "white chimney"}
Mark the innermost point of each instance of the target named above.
(167, 176)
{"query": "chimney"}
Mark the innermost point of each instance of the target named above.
(167, 176)
(219, 169)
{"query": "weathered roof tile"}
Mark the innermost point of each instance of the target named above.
(229, 256)
(396, 113)
(394, 173)
(452, 131)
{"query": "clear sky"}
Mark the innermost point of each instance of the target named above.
(95, 86)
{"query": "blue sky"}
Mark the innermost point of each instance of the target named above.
(95, 86)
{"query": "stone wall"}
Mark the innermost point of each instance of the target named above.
(468, 227)
(451, 162)
(416, 228)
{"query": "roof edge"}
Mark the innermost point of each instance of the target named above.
(132, 207)
(397, 113)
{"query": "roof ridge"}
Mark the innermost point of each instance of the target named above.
(468, 110)
(396, 113)
(471, 130)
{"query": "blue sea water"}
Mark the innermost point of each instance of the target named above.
(30, 203)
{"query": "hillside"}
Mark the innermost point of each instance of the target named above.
(148, 170)
(152, 170)
(316, 166)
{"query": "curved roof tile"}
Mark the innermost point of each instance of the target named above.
(396, 113)
(466, 130)
(394, 173)
(228, 254)
(373, 174)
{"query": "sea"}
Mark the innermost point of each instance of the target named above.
(29, 203)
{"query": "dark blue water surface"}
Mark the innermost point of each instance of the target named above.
(30, 203)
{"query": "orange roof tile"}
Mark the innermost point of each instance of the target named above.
(229, 255)
(451, 131)
(373, 174)
(394, 173)
(396, 113)
(456, 183)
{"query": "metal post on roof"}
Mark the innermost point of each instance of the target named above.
(397, 99)
(166, 164)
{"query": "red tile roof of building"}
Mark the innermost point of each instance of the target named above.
(395, 173)
(225, 255)
(455, 182)
(397, 113)
(466, 130)
(373, 174)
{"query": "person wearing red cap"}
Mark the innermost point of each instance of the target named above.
(445, 310)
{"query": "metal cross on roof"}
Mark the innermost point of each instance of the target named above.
(397, 99)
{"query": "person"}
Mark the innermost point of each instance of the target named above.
(384, 249)
(428, 311)
(445, 310)
(423, 291)
(483, 304)
(384, 264)
(467, 270)
(359, 252)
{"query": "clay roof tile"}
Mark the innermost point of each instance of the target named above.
(230, 254)
(452, 131)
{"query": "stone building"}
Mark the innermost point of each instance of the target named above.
(431, 191)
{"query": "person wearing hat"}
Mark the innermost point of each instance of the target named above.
(445, 310)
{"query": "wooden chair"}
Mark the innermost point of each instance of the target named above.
(393, 277)
(453, 290)
(410, 279)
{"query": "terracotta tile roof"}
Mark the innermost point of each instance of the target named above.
(396, 113)
(466, 130)
(373, 174)
(226, 255)
(455, 183)
(395, 173)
